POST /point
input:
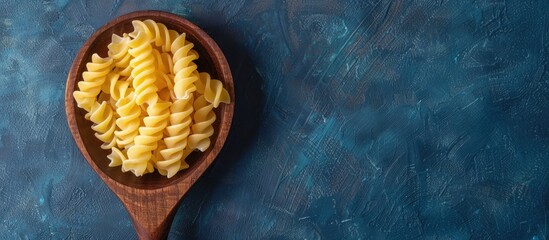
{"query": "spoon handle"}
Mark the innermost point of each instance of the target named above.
(156, 232)
(151, 214)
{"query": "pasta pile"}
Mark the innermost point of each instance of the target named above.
(148, 103)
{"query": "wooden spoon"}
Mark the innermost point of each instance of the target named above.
(151, 200)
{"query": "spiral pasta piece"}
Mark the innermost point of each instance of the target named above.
(162, 72)
(161, 82)
(163, 62)
(167, 60)
(110, 80)
(119, 51)
(128, 121)
(166, 92)
(162, 36)
(183, 57)
(156, 156)
(213, 91)
(171, 169)
(93, 79)
(103, 118)
(200, 84)
(118, 88)
(202, 128)
(176, 140)
(117, 156)
(139, 155)
(115, 87)
(143, 64)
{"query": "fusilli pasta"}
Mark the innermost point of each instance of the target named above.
(176, 139)
(213, 91)
(147, 100)
(118, 50)
(102, 116)
(143, 72)
(147, 141)
(162, 36)
(93, 78)
(183, 57)
(202, 128)
(128, 121)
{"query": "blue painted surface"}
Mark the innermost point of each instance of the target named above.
(354, 120)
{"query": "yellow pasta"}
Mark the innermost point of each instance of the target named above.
(162, 79)
(110, 80)
(118, 50)
(117, 156)
(139, 155)
(183, 57)
(202, 128)
(166, 81)
(148, 102)
(104, 124)
(93, 79)
(162, 36)
(167, 60)
(176, 139)
(143, 72)
(213, 91)
(118, 88)
(156, 156)
(128, 121)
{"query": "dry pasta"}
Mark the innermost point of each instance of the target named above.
(183, 67)
(149, 104)
(202, 129)
(118, 50)
(176, 139)
(92, 81)
(128, 121)
(143, 64)
(102, 116)
(139, 155)
(213, 91)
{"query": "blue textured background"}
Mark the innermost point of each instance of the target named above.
(354, 119)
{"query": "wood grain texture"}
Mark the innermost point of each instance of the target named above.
(151, 200)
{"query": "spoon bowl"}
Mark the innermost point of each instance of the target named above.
(151, 200)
